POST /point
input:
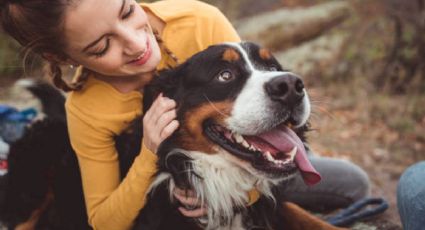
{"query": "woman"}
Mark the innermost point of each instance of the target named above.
(118, 44)
(114, 42)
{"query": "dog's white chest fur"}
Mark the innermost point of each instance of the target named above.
(223, 183)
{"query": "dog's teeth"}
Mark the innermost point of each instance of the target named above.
(278, 162)
(238, 138)
(292, 153)
(251, 147)
(269, 156)
(245, 144)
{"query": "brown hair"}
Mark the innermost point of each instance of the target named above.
(38, 26)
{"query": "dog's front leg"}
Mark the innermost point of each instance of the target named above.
(297, 218)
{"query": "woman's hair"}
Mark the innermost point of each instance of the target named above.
(38, 26)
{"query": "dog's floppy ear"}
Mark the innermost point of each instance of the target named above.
(166, 82)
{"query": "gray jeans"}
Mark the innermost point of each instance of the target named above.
(411, 197)
(342, 183)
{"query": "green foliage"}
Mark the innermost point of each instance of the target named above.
(10, 60)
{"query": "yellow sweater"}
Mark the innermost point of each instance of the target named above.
(99, 112)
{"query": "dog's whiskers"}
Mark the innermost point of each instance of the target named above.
(212, 104)
(323, 110)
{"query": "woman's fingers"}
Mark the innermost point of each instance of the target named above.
(184, 192)
(189, 201)
(169, 129)
(193, 213)
(159, 107)
(165, 118)
(159, 122)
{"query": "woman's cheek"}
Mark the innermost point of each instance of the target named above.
(109, 65)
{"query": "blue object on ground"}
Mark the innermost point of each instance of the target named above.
(13, 122)
(355, 211)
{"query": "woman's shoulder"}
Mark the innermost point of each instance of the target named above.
(197, 24)
(177, 9)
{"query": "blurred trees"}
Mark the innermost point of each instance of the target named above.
(405, 60)
(384, 42)
(10, 61)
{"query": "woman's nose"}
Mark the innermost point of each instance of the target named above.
(134, 42)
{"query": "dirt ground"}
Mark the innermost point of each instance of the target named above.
(344, 127)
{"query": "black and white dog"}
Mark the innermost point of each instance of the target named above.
(242, 123)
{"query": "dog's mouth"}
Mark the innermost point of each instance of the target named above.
(278, 151)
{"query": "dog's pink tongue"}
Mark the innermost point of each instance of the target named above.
(284, 139)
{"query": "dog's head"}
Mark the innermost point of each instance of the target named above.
(235, 100)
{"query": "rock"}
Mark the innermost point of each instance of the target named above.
(309, 57)
(285, 28)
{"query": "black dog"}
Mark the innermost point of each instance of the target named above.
(242, 123)
(44, 181)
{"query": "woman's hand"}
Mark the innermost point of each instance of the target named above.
(159, 122)
(192, 206)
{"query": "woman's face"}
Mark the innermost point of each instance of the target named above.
(111, 37)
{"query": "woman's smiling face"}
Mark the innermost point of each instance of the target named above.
(111, 37)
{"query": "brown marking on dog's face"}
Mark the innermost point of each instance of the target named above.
(192, 137)
(265, 54)
(231, 55)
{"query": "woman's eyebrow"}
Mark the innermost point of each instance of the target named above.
(99, 39)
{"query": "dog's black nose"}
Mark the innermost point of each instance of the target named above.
(287, 89)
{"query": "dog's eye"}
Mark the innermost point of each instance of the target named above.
(225, 76)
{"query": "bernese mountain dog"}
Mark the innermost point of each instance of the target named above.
(242, 123)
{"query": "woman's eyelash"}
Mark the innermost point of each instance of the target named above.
(103, 51)
(129, 12)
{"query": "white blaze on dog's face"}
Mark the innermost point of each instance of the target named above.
(254, 111)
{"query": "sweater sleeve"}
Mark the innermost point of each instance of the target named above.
(111, 203)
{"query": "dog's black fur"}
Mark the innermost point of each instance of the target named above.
(43, 162)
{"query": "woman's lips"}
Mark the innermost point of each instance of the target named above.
(142, 59)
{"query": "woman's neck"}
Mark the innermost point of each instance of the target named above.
(127, 84)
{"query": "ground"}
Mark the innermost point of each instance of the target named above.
(346, 125)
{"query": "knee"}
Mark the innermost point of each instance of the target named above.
(411, 185)
(352, 180)
(410, 196)
(359, 180)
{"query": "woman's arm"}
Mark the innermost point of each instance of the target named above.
(111, 204)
